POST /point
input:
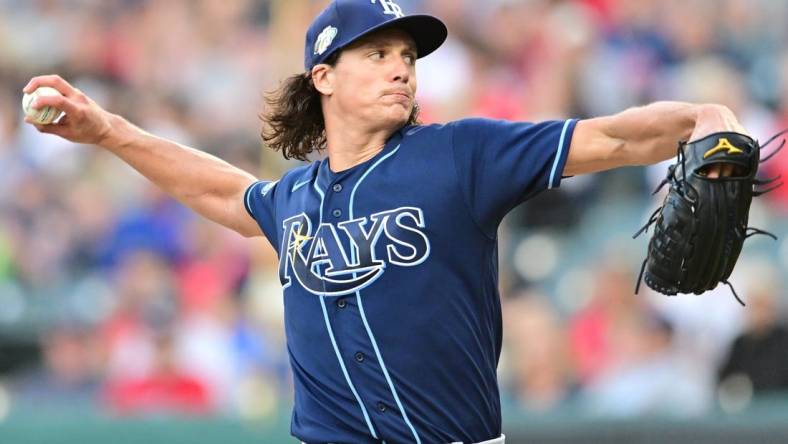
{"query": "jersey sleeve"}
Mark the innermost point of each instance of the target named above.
(500, 163)
(260, 203)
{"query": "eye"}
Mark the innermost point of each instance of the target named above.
(376, 55)
(410, 58)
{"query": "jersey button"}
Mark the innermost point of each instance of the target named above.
(382, 407)
(341, 303)
(337, 212)
(360, 357)
(337, 187)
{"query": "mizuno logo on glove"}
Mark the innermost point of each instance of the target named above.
(723, 145)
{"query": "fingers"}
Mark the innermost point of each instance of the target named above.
(60, 127)
(54, 81)
(714, 118)
(60, 102)
(53, 128)
(718, 170)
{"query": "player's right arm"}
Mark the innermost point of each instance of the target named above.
(208, 185)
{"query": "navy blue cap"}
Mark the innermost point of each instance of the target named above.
(345, 21)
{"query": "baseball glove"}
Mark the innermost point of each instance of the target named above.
(702, 224)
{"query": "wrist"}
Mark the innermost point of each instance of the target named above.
(713, 118)
(117, 134)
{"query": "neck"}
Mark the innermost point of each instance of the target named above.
(349, 143)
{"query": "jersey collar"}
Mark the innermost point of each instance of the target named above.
(325, 176)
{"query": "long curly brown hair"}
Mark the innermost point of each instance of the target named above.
(293, 118)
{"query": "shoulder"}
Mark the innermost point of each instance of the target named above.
(420, 139)
(430, 133)
(438, 128)
(446, 137)
(478, 123)
(300, 174)
(291, 179)
(415, 132)
(473, 121)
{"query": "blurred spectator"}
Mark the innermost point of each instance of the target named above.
(538, 353)
(599, 332)
(758, 354)
(155, 225)
(649, 381)
(147, 301)
(71, 375)
(163, 390)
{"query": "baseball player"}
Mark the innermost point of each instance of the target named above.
(387, 246)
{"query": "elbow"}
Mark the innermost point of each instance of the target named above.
(248, 232)
(242, 226)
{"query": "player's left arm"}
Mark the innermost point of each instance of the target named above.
(643, 135)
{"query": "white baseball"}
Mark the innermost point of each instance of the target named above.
(45, 115)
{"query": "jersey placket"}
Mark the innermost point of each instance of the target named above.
(351, 333)
(394, 404)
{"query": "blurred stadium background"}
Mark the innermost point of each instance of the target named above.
(124, 318)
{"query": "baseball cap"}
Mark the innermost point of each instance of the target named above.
(345, 21)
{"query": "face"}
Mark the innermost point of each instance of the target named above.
(373, 81)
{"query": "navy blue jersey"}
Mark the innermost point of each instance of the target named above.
(390, 277)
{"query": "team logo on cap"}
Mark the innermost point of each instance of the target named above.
(390, 8)
(324, 39)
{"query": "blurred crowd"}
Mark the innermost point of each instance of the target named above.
(114, 298)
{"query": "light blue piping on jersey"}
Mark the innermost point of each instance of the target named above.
(558, 154)
(361, 306)
(334, 342)
(299, 185)
(248, 194)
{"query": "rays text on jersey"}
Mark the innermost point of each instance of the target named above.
(319, 263)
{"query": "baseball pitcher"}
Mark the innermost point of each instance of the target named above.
(387, 246)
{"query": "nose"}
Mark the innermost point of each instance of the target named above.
(400, 70)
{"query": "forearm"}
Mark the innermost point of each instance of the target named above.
(650, 133)
(208, 185)
(643, 135)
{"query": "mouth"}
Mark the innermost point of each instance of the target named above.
(398, 94)
(398, 99)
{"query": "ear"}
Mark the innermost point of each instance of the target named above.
(323, 79)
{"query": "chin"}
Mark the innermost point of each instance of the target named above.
(398, 116)
(396, 124)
